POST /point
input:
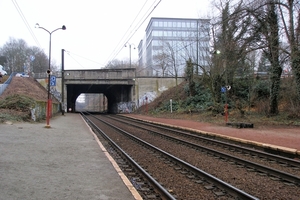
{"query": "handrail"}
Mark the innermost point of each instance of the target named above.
(6, 83)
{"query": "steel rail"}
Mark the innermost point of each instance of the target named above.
(212, 179)
(159, 188)
(261, 168)
(291, 162)
(280, 159)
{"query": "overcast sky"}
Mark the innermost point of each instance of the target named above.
(96, 29)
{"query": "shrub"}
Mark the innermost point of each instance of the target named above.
(17, 102)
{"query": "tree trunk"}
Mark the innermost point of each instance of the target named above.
(273, 55)
(274, 90)
(217, 84)
(296, 71)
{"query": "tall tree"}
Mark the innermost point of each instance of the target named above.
(15, 52)
(290, 16)
(38, 60)
(20, 57)
(173, 61)
(273, 55)
(161, 61)
(267, 26)
(189, 73)
(3, 60)
(231, 39)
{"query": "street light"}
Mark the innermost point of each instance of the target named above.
(49, 102)
(227, 87)
(129, 52)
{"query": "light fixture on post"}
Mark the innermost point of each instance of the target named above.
(129, 44)
(227, 87)
(49, 102)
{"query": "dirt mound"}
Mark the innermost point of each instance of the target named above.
(18, 97)
(26, 87)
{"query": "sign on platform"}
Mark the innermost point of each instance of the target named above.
(52, 80)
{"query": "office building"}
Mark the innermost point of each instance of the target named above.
(169, 42)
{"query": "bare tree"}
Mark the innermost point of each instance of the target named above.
(15, 52)
(267, 27)
(3, 60)
(231, 41)
(38, 60)
(19, 57)
(189, 72)
(161, 61)
(174, 67)
(115, 64)
(290, 17)
(273, 55)
(246, 27)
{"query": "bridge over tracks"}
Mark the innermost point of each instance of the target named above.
(120, 86)
(116, 84)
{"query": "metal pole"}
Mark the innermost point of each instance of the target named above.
(62, 82)
(226, 86)
(197, 72)
(129, 55)
(49, 100)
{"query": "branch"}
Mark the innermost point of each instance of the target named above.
(284, 25)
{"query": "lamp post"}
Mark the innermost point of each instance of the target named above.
(227, 87)
(129, 52)
(62, 82)
(49, 103)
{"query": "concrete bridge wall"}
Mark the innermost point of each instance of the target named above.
(148, 88)
(123, 90)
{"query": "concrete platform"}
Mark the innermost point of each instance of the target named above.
(64, 161)
(284, 139)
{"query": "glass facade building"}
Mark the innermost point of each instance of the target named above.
(170, 42)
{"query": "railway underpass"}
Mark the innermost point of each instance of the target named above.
(115, 85)
(106, 90)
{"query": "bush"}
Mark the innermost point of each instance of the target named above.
(17, 102)
(254, 107)
(261, 90)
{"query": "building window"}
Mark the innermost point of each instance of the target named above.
(182, 35)
(157, 33)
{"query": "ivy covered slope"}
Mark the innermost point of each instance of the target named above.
(19, 97)
(242, 107)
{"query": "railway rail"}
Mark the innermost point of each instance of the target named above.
(189, 166)
(217, 147)
(294, 160)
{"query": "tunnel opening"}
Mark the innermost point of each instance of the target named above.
(118, 98)
(91, 102)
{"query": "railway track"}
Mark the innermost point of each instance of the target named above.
(173, 152)
(220, 148)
